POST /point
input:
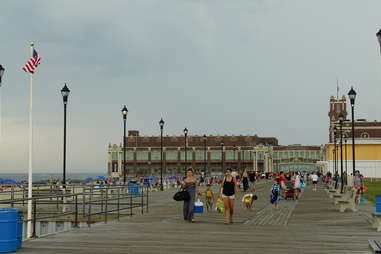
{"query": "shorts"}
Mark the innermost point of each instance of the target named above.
(251, 184)
(229, 197)
(314, 182)
(209, 203)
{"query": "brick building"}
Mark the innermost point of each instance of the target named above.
(143, 154)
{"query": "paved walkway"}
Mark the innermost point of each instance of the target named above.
(310, 225)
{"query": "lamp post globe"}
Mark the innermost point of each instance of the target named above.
(65, 91)
(1, 73)
(124, 111)
(378, 34)
(352, 96)
(161, 124)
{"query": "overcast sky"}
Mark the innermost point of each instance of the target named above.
(215, 66)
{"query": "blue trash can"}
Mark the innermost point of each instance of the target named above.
(19, 229)
(133, 188)
(8, 232)
(378, 204)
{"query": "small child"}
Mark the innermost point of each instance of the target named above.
(220, 205)
(248, 200)
(275, 194)
(208, 197)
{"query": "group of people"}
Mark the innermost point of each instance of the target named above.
(229, 188)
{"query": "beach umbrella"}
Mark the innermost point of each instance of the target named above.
(7, 180)
(101, 177)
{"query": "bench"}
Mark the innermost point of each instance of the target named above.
(377, 221)
(375, 246)
(342, 196)
(349, 202)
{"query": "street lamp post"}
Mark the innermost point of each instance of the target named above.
(335, 155)
(234, 161)
(161, 123)
(346, 155)
(205, 139)
(1, 117)
(341, 119)
(65, 94)
(222, 156)
(185, 148)
(352, 98)
(124, 114)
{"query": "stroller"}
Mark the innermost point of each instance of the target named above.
(290, 193)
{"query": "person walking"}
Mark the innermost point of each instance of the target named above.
(314, 178)
(252, 178)
(228, 190)
(297, 185)
(190, 184)
(245, 180)
(275, 194)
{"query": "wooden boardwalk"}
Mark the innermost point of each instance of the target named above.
(310, 225)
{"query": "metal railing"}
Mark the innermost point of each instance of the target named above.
(92, 204)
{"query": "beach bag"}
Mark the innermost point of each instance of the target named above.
(198, 207)
(182, 195)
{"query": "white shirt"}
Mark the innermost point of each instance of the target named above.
(314, 178)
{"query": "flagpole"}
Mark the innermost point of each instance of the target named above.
(30, 186)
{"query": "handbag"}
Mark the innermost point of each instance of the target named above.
(182, 195)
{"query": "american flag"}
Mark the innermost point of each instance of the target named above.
(32, 64)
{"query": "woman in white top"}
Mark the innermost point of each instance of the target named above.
(314, 178)
(297, 184)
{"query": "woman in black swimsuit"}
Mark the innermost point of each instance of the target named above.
(228, 190)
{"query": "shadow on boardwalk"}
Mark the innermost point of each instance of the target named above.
(311, 225)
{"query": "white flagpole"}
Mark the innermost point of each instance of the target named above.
(29, 225)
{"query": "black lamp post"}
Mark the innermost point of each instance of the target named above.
(346, 155)
(65, 94)
(222, 155)
(234, 162)
(185, 148)
(205, 139)
(352, 98)
(124, 114)
(161, 123)
(334, 155)
(341, 120)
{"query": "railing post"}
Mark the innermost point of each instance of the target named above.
(34, 235)
(118, 204)
(142, 194)
(12, 195)
(147, 200)
(23, 196)
(102, 197)
(130, 204)
(106, 204)
(90, 200)
(76, 212)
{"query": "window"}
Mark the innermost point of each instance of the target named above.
(215, 155)
(142, 156)
(114, 156)
(155, 155)
(200, 155)
(171, 155)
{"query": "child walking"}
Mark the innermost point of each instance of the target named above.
(275, 194)
(209, 197)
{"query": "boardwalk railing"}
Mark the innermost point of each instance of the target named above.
(92, 204)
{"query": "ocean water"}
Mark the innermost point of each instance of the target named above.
(46, 176)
